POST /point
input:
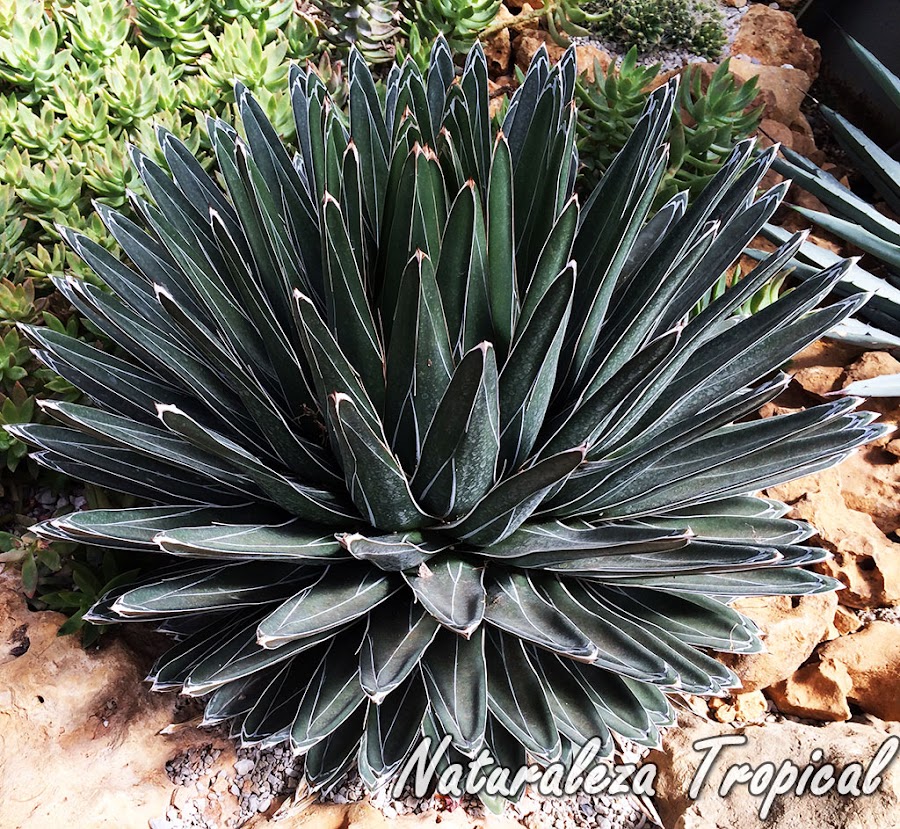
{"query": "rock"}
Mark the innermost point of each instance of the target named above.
(872, 364)
(792, 629)
(79, 730)
(524, 5)
(736, 4)
(871, 660)
(781, 90)
(864, 559)
(749, 707)
(774, 132)
(365, 816)
(588, 57)
(845, 621)
(870, 481)
(526, 43)
(498, 47)
(773, 38)
(813, 694)
(841, 744)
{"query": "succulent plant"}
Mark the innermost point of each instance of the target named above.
(696, 25)
(459, 21)
(270, 15)
(175, 26)
(707, 122)
(30, 57)
(370, 25)
(864, 225)
(240, 52)
(425, 432)
(711, 121)
(98, 28)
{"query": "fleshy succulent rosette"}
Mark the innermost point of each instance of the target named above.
(431, 444)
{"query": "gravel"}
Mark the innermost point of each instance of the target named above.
(262, 779)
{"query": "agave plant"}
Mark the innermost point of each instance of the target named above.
(431, 445)
(857, 222)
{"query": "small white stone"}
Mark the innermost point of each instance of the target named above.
(244, 766)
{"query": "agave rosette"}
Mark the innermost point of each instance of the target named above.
(433, 445)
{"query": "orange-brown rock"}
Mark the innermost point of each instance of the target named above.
(498, 47)
(864, 559)
(781, 90)
(871, 660)
(79, 730)
(774, 132)
(845, 621)
(588, 57)
(774, 38)
(792, 628)
(526, 42)
(813, 693)
(365, 816)
(841, 743)
(749, 707)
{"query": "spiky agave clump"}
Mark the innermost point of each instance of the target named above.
(433, 444)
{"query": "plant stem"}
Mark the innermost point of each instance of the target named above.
(513, 22)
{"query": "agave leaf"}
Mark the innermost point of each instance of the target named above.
(289, 541)
(451, 589)
(574, 713)
(884, 249)
(212, 588)
(119, 468)
(616, 651)
(558, 540)
(397, 551)
(415, 215)
(529, 374)
(554, 257)
(136, 528)
(331, 695)
(170, 670)
(349, 313)
(462, 272)
(240, 655)
(392, 729)
(236, 698)
(502, 287)
(765, 581)
(399, 633)
(276, 707)
(456, 680)
(507, 506)
(419, 367)
(459, 453)
(329, 759)
(516, 697)
(331, 369)
(873, 162)
(375, 480)
(313, 504)
(153, 442)
(116, 384)
(514, 605)
(330, 601)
